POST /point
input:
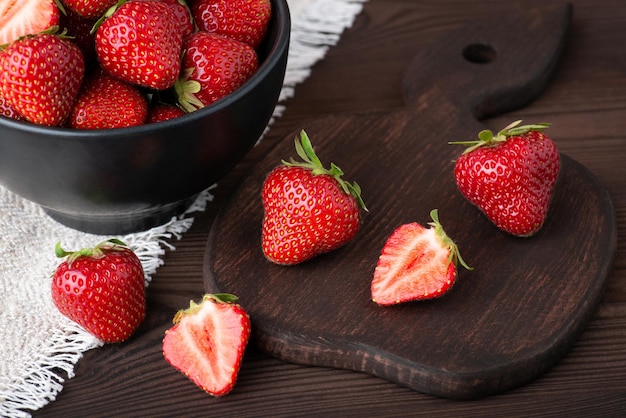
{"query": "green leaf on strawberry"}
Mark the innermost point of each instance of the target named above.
(304, 149)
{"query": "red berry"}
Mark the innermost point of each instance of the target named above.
(510, 177)
(162, 112)
(309, 210)
(40, 76)
(9, 111)
(89, 8)
(183, 16)
(102, 289)
(106, 102)
(243, 20)
(213, 66)
(141, 44)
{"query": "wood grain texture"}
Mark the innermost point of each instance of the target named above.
(586, 102)
(506, 322)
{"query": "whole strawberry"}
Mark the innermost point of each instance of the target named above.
(9, 111)
(26, 17)
(309, 210)
(183, 16)
(40, 76)
(208, 341)
(89, 8)
(140, 43)
(213, 66)
(510, 177)
(102, 289)
(106, 102)
(243, 20)
(416, 263)
(161, 112)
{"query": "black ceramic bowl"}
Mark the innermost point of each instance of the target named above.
(118, 181)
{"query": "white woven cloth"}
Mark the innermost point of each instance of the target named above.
(38, 346)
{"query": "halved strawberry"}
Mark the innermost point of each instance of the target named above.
(26, 17)
(208, 341)
(416, 263)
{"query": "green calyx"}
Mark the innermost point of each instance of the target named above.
(186, 90)
(455, 255)
(486, 137)
(195, 307)
(313, 163)
(112, 244)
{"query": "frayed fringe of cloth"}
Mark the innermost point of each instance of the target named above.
(39, 347)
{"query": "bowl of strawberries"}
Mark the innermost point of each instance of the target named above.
(117, 114)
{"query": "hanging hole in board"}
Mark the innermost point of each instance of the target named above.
(479, 53)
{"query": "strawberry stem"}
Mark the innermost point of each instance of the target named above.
(112, 244)
(455, 255)
(194, 307)
(310, 160)
(487, 138)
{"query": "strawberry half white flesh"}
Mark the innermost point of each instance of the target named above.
(415, 263)
(208, 341)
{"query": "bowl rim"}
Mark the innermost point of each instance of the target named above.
(280, 10)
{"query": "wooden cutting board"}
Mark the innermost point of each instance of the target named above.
(504, 323)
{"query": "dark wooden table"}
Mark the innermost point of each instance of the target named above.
(585, 101)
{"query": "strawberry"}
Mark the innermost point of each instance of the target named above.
(309, 210)
(106, 102)
(102, 289)
(89, 8)
(160, 112)
(79, 32)
(213, 67)
(26, 17)
(40, 76)
(243, 20)
(207, 342)
(9, 111)
(510, 177)
(416, 263)
(140, 43)
(183, 16)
